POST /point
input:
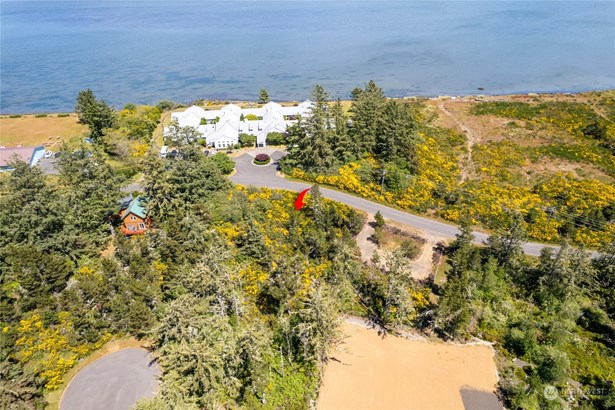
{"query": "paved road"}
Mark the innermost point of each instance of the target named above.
(248, 174)
(114, 382)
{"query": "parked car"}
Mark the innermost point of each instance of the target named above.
(48, 154)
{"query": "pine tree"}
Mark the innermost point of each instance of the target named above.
(310, 141)
(506, 244)
(343, 149)
(398, 305)
(318, 324)
(263, 96)
(396, 138)
(30, 212)
(366, 113)
(96, 114)
(91, 194)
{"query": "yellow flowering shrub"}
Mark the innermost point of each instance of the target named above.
(229, 231)
(47, 348)
(253, 277)
(160, 269)
(138, 149)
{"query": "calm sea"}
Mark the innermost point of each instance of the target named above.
(145, 51)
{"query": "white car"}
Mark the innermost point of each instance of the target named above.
(48, 154)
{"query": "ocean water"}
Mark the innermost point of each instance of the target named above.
(146, 51)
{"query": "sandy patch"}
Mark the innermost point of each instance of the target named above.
(396, 373)
(366, 246)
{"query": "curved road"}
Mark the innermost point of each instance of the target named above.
(250, 175)
(113, 382)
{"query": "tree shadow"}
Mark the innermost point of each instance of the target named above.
(474, 399)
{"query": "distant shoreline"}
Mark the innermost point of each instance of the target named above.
(408, 97)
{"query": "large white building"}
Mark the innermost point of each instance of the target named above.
(221, 128)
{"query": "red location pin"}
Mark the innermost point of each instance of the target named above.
(299, 201)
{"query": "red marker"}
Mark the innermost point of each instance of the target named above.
(299, 201)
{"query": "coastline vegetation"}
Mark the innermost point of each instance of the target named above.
(362, 153)
(241, 296)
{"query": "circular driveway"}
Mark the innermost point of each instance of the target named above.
(114, 382)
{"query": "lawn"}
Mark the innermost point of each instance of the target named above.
(31, 131)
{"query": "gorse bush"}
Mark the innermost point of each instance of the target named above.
(499, 183)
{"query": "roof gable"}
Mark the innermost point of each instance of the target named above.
(138, 207)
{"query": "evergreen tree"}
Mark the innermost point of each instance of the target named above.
(395, 138)
(198, 354)
(86, 101)
(30, 211)
(318, 325)
(556, 278)
(366, 113)
(454, 311)
(35, 276)
(604, 284)
(263, 96)
(198, 177)
(398, 306)
(317, 153)
(19, 387)
(181, 136)
(90, 194)
(310, 142)
(96, 114)
(342, 144)
(506, 244)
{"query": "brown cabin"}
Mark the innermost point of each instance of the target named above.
(135, 220)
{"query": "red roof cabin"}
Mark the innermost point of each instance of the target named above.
(135, 220)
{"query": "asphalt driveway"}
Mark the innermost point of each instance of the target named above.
(265, 176)
(114, 382)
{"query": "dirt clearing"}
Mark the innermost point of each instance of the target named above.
(370, 372)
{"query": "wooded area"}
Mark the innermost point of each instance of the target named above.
(241, 295)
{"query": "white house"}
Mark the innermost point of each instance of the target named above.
(221, 128)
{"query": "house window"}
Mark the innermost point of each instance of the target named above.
(133, 218)
(141, 226)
